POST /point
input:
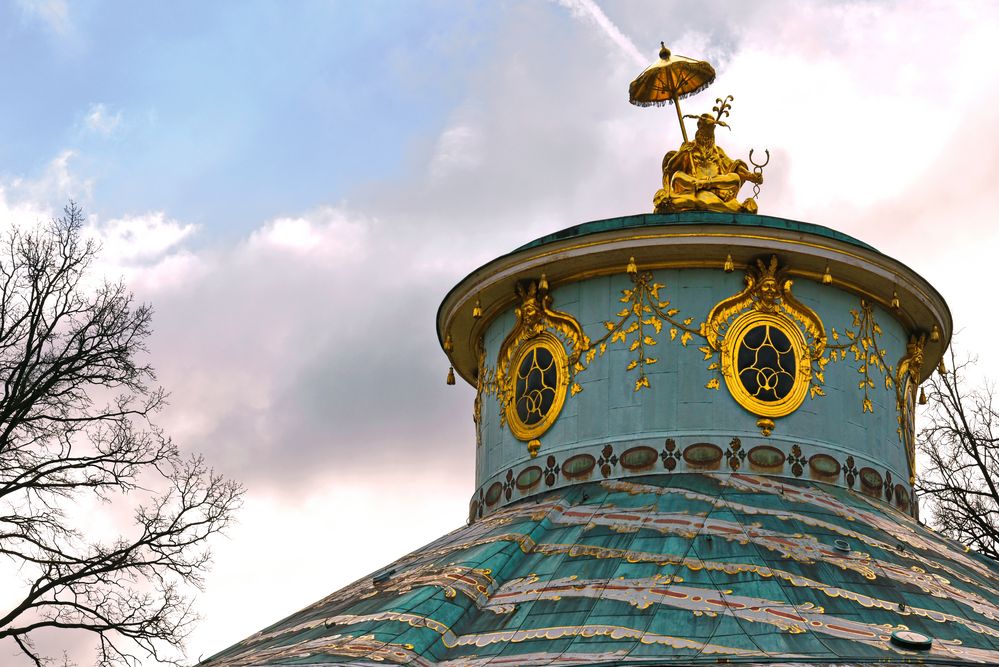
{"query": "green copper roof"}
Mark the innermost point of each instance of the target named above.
(691, 218)
(662, 570)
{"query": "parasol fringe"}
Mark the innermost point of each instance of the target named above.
(662, 103)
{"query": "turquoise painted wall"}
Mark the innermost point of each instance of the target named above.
(678, 406)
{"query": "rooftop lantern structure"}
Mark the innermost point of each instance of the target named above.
(694, 445)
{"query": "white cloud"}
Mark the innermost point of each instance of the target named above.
(101, 121)
(327, 232)
(302, 358)
(136, 238)
(50, 191)
(146, 250)
(53, 13)
(459, 148)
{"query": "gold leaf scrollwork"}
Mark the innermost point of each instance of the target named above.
(644, 314)
(485, 384)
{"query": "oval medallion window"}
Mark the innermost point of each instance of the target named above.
(766, 363)
(540, 376)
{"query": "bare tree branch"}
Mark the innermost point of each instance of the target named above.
(76, 408)
(961, 482)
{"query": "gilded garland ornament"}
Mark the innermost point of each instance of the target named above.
(862, 341)
(770, 350)
(644, 316)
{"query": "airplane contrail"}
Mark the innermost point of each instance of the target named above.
(588, 10)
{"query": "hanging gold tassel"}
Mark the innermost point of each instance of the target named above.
(729, 264)
(827, 276)
(543, 285)
(941, 368)
(448, 345)
(894, 300)
(477, 310)
(632, 267)
(935, 334)
(922, 396)
(450, 375)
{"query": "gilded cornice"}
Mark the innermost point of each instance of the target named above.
(822, 257)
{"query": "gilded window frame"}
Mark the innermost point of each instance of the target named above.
(554, 346)
(802, 376)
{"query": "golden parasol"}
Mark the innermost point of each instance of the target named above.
(670, 79)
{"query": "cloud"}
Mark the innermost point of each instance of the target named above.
(302, 356)
(328, 233)
(53, 13)
(49, 192)
(144, 250)
(101, 121)
(458, 149)
(293, 353)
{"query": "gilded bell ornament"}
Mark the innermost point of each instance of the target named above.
(450, 375)
(827, 276)
(533, 447)
(935, 334)
(448, 345)
(729, 264)
(632, 267)
(941, 368)
(543, 283)
(922, 396)
(477, 310)
(894, 300)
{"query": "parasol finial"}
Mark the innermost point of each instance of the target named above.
(664, 53)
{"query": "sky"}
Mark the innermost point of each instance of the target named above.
(296, 185)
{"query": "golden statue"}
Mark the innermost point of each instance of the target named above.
(699, 176)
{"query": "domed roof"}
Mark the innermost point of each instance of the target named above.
(686, 569)
(659, 507)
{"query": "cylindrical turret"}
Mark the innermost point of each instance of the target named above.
(693, 342)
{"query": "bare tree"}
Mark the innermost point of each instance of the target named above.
(961, 445)
(75, 422)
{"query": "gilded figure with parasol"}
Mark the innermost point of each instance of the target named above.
(699, 175)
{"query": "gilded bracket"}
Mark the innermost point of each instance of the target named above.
(907, 381)
(543, 341)
(791, 337)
